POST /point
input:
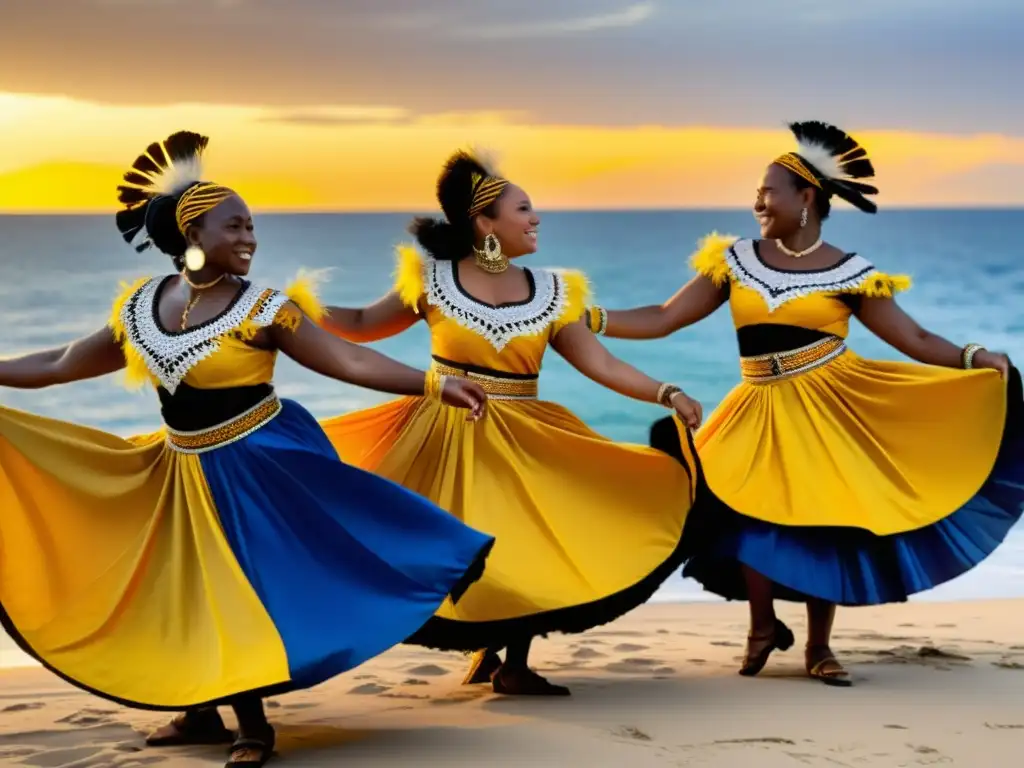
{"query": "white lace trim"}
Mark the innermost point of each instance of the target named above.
(498, 325)
(170, 356)
(777, 287)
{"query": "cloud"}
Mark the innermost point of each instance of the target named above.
(916, 65)
(630, 16)
(335, 116)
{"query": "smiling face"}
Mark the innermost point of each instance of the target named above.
(515, 223)
(226, 236)
(780, 202)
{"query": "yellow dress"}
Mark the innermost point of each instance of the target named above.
(850, 480)
(586, 528)
(229, 552)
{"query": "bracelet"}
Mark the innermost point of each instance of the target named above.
(599, 326)
(665, 394)
(968, 353)
(433, 384)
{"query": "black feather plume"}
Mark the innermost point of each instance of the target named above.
(165, 169)
(837, 158)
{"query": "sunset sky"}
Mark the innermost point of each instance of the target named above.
(353, 104)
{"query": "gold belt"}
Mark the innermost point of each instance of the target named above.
(496, 386)
(781, 365)
(203, 440)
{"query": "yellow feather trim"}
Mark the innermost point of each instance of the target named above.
(136, 373)
(304, 290)
(709, 258)
(408, 276)
(577, 295)
(303, 293)
(879, 285)
(577, 291)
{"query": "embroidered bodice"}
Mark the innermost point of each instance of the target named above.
(509, 337)
(759, 293)
(214, 354)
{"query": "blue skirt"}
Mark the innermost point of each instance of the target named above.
(259, 567)
(346, 563)
(849, 566)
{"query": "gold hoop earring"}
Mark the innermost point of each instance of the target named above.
(803, 218)
(491, 259)
(195, 258)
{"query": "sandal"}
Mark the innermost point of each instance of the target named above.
(827, 669)
(201, 727)
(251, 752)
(525, 682)
(760, 648)
(485, 663)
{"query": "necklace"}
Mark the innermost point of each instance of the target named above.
(797, 254)
(202, 286)
(198, 288)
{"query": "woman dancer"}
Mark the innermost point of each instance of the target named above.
(587, 529)
(230, 555)
(840, 480)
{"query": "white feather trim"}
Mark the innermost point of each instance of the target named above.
(178, 176)
(488, 158)
(821, 158)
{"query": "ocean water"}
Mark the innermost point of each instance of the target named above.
(58, 275)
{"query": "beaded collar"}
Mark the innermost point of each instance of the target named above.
(497, 324)
(170, 355)
(778, 286)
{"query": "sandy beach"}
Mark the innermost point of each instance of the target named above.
(936, 684)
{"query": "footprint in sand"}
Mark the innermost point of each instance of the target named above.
(414, 681)
(30, 705)
(365, 677)
(86, 717)
(629, 732)
(589, 653)
(400, 695)
(697, 661)
(590, 641)
(429, 670)
(369, 689)
(726, 644)
(633, 666)
(1007, 664)
(630, 648)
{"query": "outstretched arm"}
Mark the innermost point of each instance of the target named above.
(386, 317)
(887, 320)
(589, 356)
(95, 355)
(692, 303)
(312, 347)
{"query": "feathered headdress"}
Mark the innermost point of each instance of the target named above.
(169, 169)
(475, 171)
(832, 160)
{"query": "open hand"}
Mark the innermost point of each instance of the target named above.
(463, 393)
(689, 410)
(997, 361)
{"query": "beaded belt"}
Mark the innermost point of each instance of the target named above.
(203, 440)
(781, 365)
(496, 386)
